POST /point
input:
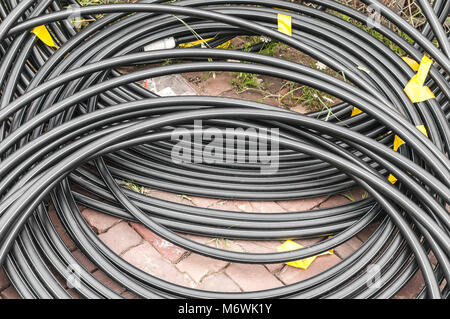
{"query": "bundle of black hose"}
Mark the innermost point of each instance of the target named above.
(68, 118)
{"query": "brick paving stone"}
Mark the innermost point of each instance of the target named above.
(148, 259)
(198, 266)
(171, 197)
(262, 247)
(4, 281)
(266, 207)
(290, 275)
(335, 200)
(302, 204)
(121, 237)
(365, 233)
(412, 288)
(218, 282)
(110, 283)
(84, 260)
(244, 206)
(203, 201)
(168, 250)
(10, 293)
(346, 249)
(355, 194)
(61, 230)
(252, 277)
(74, 294)
(225, 205)
(221, 243)
(99, 222)
(129, 295)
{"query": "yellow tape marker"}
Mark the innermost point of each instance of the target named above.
(42, 33)
(412, 63)
(194, 43)
(285, 24)
(422, 129)
(392, 179)
(398, 142)
(290, 245)
(225, 45)
(355, 112)
(415, 89)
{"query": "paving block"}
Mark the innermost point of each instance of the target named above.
(290, 275)
(262, 247)
(168, 250)
(266, 207)
(198, 266)
(252, 277)
(301, 205)
(4, 281)
(171, 197)
(365, 233)
(111, 284)
(121, 237)
(85, 262)
(225, 205)
(61, 230)
(335, 200)
(203, 201)
(74, 294)
(346, 249)
(129, 295)
(218, 282)
(10, 293)
(148, 259)
(412, 288)
(244, 206)
(98, 221)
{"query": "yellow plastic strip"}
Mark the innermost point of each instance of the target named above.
(225, 45)
(422, 129)
(355, 112)
(285, 24)
(392, 179)
(194, 43)
(415, 89)
(42, 33)
(412, 63)
(398, 142)
(290, 245)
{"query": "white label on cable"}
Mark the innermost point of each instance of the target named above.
(167, 43)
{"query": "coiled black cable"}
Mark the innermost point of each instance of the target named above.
(69, 119)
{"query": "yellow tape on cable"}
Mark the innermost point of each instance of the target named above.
(44, 35)
(225, 45)
(290, 245)
(355, 112)
(399, 142)
(412, 63)
(285, 24)
(415, 89)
